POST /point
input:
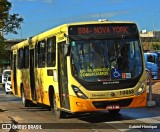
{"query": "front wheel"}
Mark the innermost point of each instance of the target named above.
(57, 112)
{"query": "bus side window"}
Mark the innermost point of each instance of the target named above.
(26, 57)
(20, 58)
(51, 51)
(41, 53)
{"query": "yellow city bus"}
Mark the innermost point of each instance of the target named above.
(81, 67)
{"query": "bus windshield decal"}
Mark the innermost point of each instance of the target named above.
(94, 72)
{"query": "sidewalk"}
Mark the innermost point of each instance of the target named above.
(156, 92)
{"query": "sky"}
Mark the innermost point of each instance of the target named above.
(42, 15)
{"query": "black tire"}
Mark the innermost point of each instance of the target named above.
(56, 112)
(6, 92)
(25, 101)
(114, 111)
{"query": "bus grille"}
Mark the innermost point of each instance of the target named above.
(104, 104)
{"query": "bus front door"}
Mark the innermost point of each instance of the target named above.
(63, 78)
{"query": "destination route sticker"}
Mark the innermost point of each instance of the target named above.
(94, 72)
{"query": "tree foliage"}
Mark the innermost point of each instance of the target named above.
(4, 54)
(9, 23)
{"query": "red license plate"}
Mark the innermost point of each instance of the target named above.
(112, 107)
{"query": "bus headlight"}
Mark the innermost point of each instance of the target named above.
(141, 88)
(78, 92)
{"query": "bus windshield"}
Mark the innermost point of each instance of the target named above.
(106, 60)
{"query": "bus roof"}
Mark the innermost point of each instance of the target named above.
(98, 22)
(62, 28)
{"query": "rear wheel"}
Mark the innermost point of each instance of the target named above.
(25, 101)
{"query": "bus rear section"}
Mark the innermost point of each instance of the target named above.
(152, 61)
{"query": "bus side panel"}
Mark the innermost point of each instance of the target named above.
(13, 74)
(26, 84)
(19, 81)
(16, 77)
(42, 85)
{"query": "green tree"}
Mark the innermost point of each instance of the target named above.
(9, 23)
(4, 54)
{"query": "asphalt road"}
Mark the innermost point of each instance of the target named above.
(40, 119)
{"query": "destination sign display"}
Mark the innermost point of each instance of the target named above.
(103, 29)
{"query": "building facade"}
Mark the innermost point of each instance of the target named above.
(150, 40)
